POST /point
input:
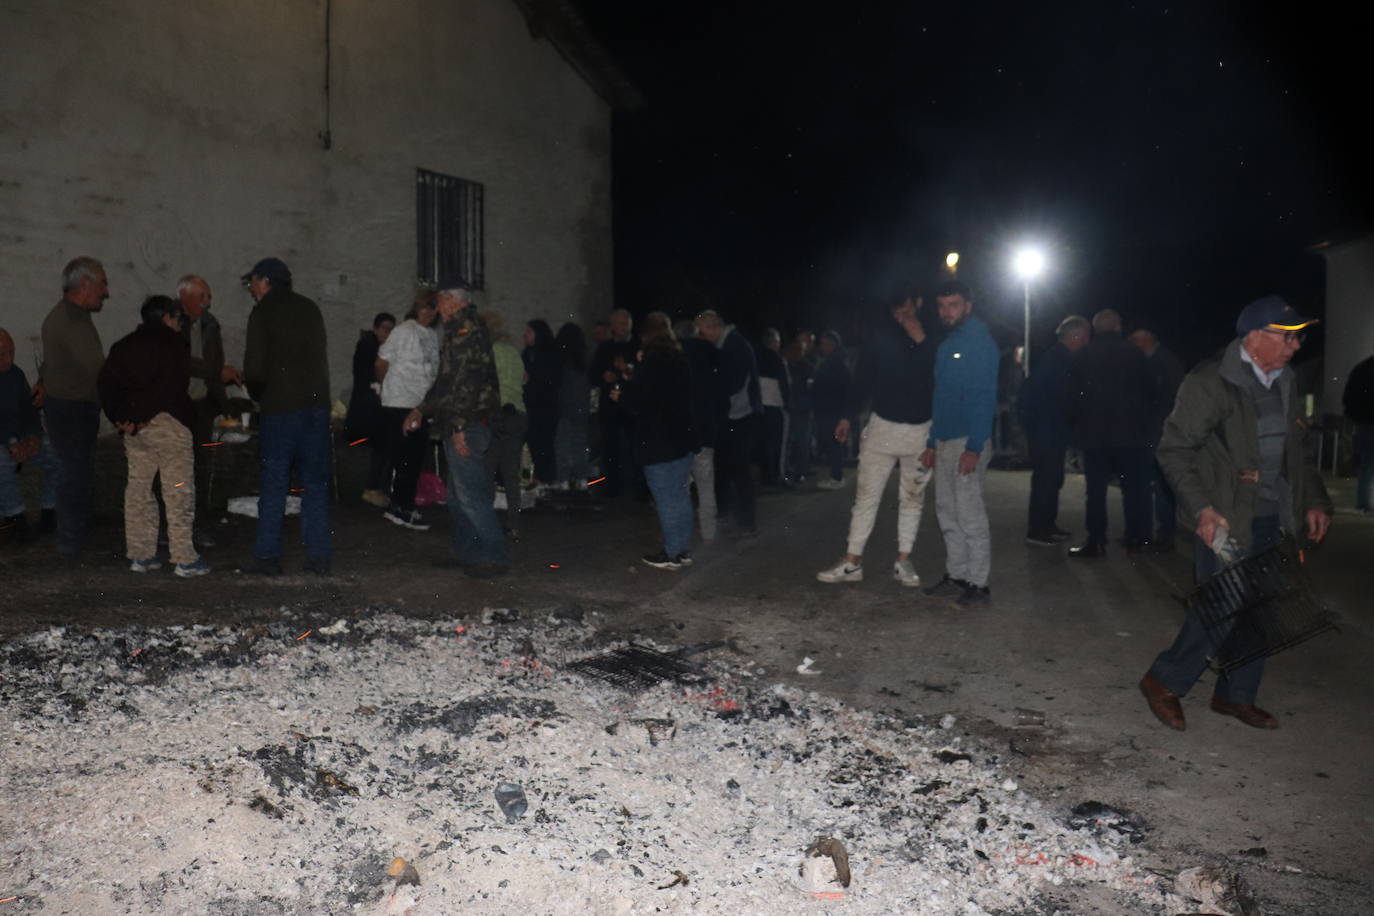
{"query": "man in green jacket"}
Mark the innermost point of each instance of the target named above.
(286, 371)
(1232, 451)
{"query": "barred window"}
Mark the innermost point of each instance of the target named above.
(448, 228)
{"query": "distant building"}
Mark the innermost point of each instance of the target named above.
(367, 144)
(1349, 324)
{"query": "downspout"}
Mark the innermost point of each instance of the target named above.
(326, 135)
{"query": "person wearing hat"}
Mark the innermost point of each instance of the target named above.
(286, 371)
(1232, 451)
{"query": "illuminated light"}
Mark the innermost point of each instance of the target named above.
(460, 630)
(303, 635)
(1029, 262)
(592, 483)
(211, 444)
(298, 489)
(554, 566)
(358, 441)
(182, 484)
(952, 260)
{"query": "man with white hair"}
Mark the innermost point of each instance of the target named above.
(69, 396)
(462, 402)
(209, 374)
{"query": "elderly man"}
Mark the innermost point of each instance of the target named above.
(286, 370)
(741, 406)
(209, 375)
(21, 443)
(143, 389)
(462, 403)
(958, 447)
(67, 391)
(1045, 406)
(1233, 452)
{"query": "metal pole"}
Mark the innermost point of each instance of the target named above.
(1025, 343)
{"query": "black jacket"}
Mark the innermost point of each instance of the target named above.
(830, 386)
(706, 404)
(1358, 397)
(146, 374)
(1117, 402)
(544, 369)
(658, 401)
(1047, 399)
(365, 404)
(896, 375)
(286, 357)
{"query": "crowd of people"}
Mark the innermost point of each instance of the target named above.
(678, 414)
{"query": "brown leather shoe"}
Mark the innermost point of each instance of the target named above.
(1163, 702)
(1248, 713)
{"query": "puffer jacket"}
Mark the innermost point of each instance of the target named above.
(1212, 436)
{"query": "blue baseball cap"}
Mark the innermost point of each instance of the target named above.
(1273, 313)
(273, 269)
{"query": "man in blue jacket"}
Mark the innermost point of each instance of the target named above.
(958, 447)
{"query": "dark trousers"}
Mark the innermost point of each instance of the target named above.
(299, 437)
(405, 453)
(203, 446)
(1132, 466)
(1047, 479)
(798, 444)
(72, 427)
(832, 453)
(1179, 666)
(771, 444)
(734, 449)
(503, 459)
(543, 430)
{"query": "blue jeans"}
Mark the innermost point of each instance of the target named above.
(669, 483)
(300, 437)
(11, 496)
(476, 534)
(1179, 666)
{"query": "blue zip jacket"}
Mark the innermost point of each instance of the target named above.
(965, 385)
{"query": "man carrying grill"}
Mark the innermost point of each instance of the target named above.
(1232, 451)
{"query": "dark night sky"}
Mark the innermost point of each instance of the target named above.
(797, 165)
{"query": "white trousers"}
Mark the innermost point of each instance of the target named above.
(882, 445)
(963, 515)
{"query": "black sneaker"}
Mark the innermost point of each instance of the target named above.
(684, 559)
(1042, 539)
(406, 518)
(947, 587)
(1060, 534)
(975, 596)
(661, 560)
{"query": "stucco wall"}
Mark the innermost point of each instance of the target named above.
(1349, 315)
(167, 137)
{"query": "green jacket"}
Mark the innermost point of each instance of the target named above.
(285, 360)
(1212, 437)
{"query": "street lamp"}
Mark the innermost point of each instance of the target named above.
(952, 261)
(1028, 264)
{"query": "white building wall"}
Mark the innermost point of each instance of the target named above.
(1349, 315)
(166, 137)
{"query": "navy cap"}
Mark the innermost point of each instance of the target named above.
(1270, 312)
(273, 269)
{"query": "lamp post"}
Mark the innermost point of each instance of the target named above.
(952, 261)
(1028, 264)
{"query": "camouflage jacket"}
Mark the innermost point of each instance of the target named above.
(466, 390)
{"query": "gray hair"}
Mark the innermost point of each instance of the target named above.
(189, 282)
(684, 329)
(771, 336)
(1107, 320)
(1074, 324)
(623, 313)
(78, 269)
(710, 319)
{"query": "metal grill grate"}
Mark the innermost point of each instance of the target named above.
(1259, 606)
(637, 668)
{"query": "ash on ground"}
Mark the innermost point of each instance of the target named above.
(282, 770)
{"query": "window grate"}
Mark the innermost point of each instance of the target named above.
(449, 228)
